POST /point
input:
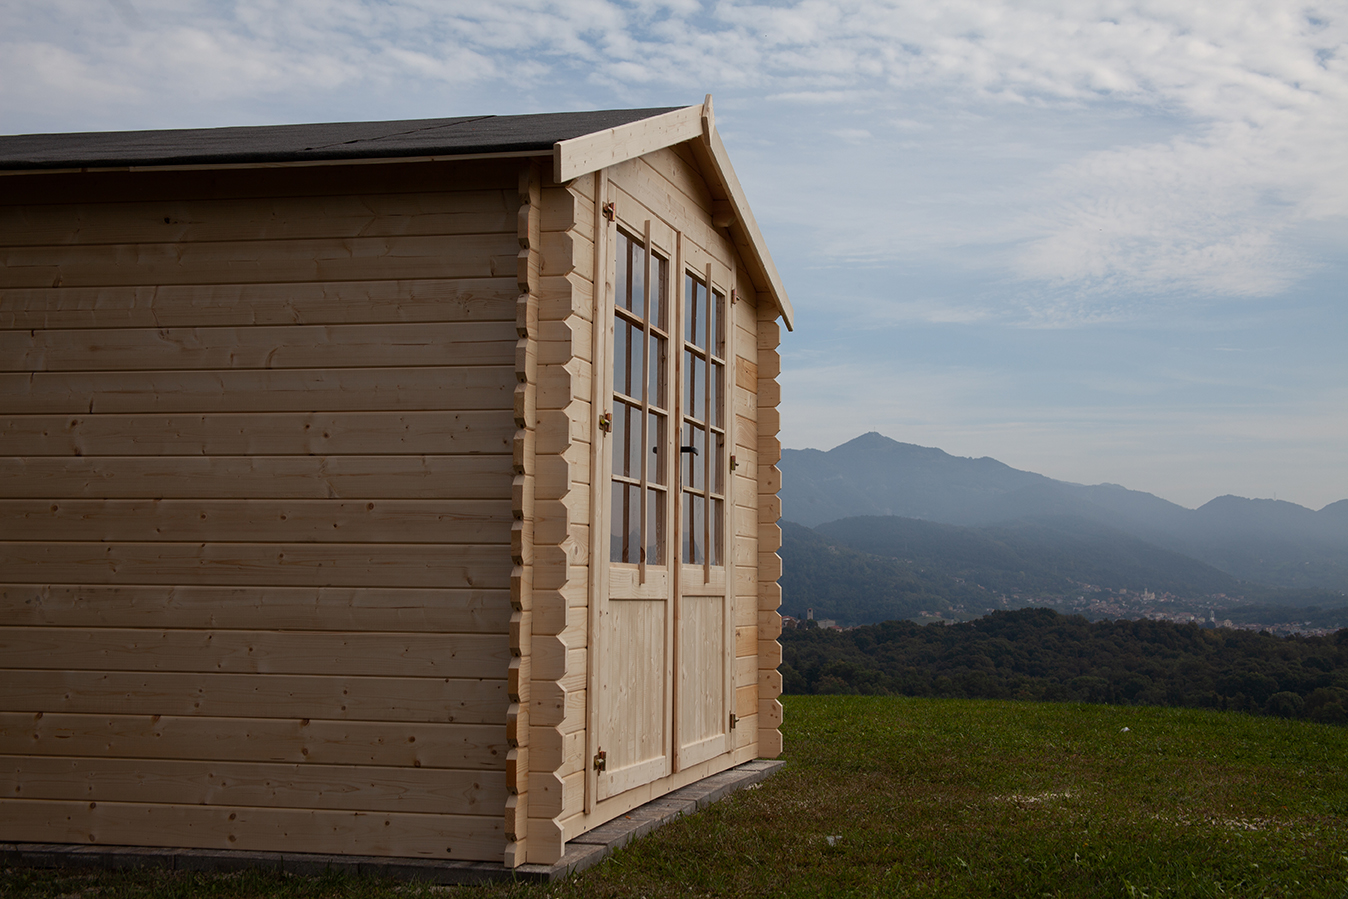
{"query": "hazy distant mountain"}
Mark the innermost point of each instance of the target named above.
(1278, 543)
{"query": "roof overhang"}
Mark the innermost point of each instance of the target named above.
(582, 149)
(695, 125)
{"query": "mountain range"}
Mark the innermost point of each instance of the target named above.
(1216, 548)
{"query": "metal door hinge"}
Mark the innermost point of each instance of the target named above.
(600, 760)
(733, 720)
(610, 211)
(606, 422)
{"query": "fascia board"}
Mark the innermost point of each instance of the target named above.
(592, 152)
(744, 219)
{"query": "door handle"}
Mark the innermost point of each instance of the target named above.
(688, 449)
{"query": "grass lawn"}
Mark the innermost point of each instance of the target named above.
(913, 797)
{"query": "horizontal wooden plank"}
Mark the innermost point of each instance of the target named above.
(220, 305)
(235, 827)
(271, 477)
(345, 698)
(261, 346)
(313, 741)
(260, 785)
(262, 564)
(253, 261)
(287, 390)
(260, 218)
(268, 183)
(372, 609)
(262, 652)
(259, 521)
(261, 433)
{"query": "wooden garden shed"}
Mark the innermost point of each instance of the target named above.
(402, 489)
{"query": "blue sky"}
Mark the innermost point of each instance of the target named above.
(1104, 241)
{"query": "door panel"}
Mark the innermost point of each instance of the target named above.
(663, 640)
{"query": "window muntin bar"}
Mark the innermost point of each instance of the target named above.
(703, 434)
(640, 403)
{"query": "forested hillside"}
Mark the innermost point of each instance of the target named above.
(1039, 654)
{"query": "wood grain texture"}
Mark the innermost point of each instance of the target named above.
(238, 827)
(239, 305)
(261, 564)
(258, 521)
(260, 218)
(368, 609)
(306, 741)
(252, 262)
(261, 652)
(261, 785)
(474, 700)
(258, 434)
(270, 477)
(257, 390)
(399, 345)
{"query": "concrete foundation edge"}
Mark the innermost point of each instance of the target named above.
(583, 852)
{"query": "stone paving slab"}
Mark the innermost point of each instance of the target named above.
(583, 852)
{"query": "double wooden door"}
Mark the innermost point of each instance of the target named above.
(662, 641)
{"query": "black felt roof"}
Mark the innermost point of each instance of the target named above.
(300, 143)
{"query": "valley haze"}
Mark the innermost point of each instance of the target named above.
(939, 534)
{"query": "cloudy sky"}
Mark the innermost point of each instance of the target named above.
(1104, 240)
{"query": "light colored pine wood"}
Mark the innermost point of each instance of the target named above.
(746, 375)
(271, 347)
(261, 785)
(405, 699)
(746, 701)
(253, 262)
(270, 434)
(260, 218)
(272, 477)
(371, 609)
(318, 742)
(261, 564)
(258, 521)
(769, 624)
(769, 683)
(240, 305)
(589, 153)
(769, 365)
(236, 827)
(266, 652)
(303, 390)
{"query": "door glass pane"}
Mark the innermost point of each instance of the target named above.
(659, 303)
(694, 524)
(694, 452)
(638, 295)
(718, 466)
(655, 436)
(636, 340)
(620, 355)
(717, 323)
(717, 531)
(621, 281)
(694, 312)
(655, 527)
(625, 527)
(694, 385)
(659, 362)
(717, 395)
(621, 436)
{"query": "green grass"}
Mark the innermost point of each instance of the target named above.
(890, 796)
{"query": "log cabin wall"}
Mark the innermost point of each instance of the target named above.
(256, 459)
(668, 184)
